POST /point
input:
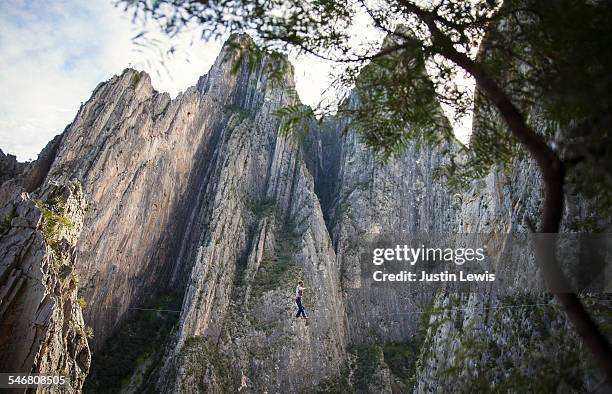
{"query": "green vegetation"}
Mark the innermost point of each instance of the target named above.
(141, 336)
(240, 111)
(359, 374)
(82, 303)
(599, 305)
(401, 358)
(262, 208)
(278, 270)
(5, 223)
(515, 356)
(53, 213)
(204, 363)
(336, 384)
(367, 361)
(74, 283)
(136, 78)
(89, 332)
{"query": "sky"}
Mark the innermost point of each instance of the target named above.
(54, 53)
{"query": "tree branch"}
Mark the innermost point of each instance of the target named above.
(553, 174)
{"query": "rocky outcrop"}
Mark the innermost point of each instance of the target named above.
(261, 229)
(9, 167)
(26, 176)
(41, 321)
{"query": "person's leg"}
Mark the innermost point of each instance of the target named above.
(300, 307)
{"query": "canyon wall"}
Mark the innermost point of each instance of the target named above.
(180, 228)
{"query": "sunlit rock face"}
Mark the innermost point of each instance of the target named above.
(200, 198)
(41, 320)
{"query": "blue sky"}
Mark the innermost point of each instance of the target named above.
(54, 53)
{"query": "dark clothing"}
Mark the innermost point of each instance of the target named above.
(301, 311)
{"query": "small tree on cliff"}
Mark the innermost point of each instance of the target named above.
(544, 58)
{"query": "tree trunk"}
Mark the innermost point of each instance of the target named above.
(553, 175)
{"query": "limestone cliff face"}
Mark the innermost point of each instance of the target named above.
(201, 196)
(201, 218)
(373, 199)
(146, 163)
(197, 196)
(366, 200)
(42, 328)
(259, 229)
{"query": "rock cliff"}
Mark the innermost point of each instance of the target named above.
(184, 224)
(42, 329)
(9, 167)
